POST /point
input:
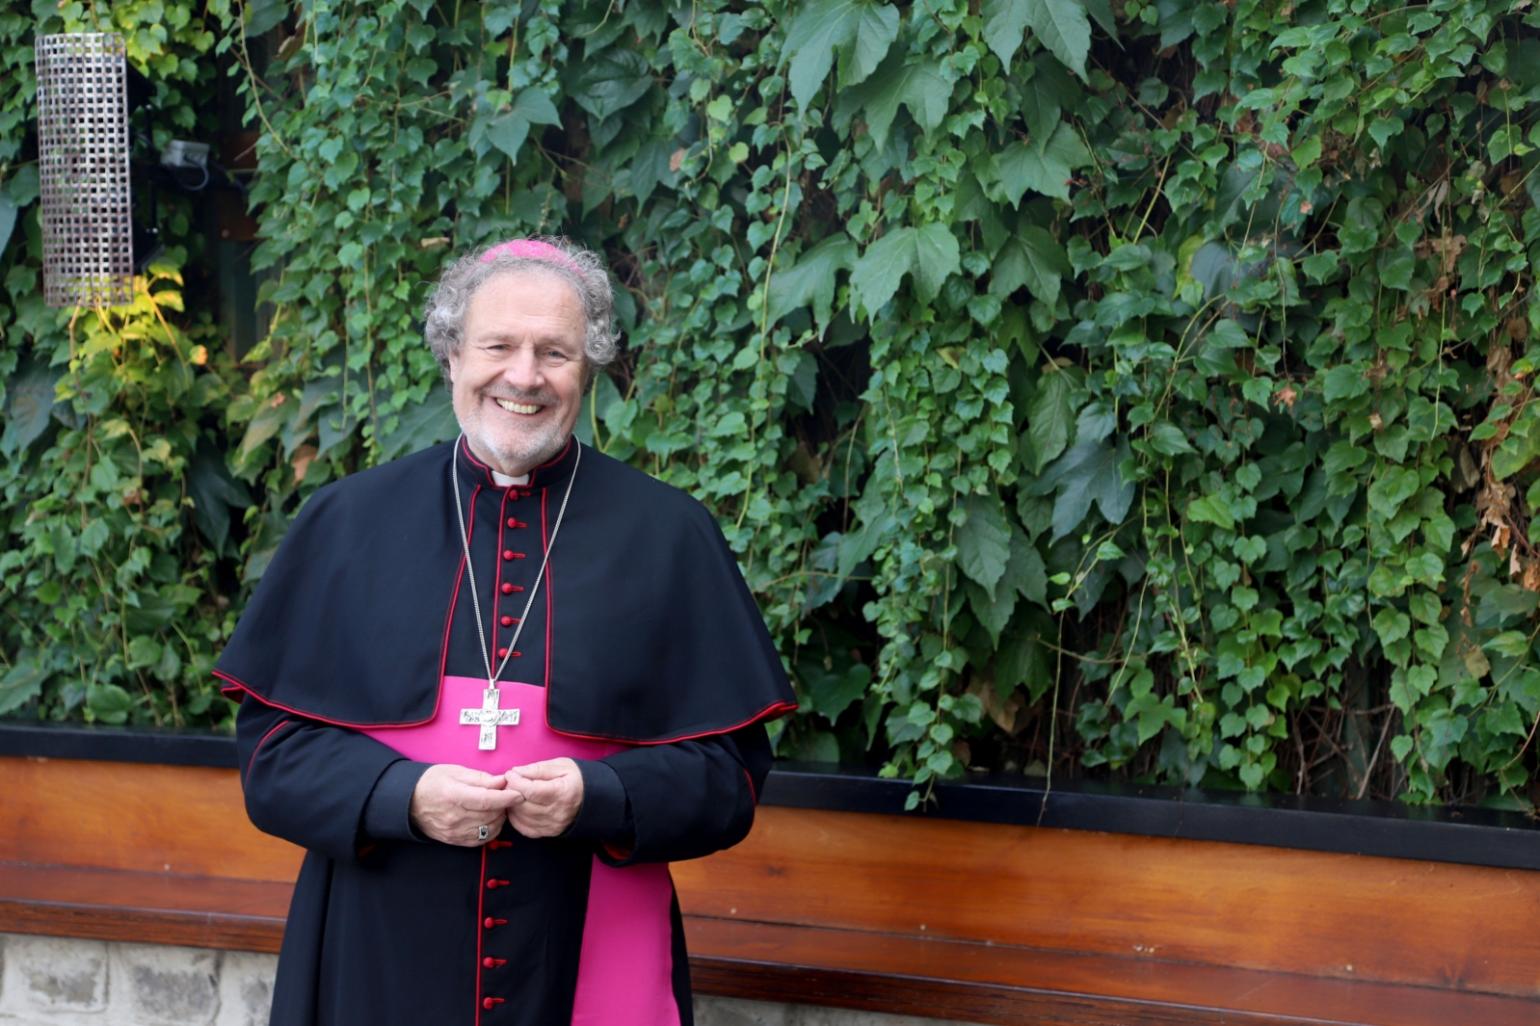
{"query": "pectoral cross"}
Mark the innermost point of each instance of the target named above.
(489, 717)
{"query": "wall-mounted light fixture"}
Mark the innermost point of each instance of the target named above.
(83, 150)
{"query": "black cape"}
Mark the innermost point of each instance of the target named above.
(657, 637)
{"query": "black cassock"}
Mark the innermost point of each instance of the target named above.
(642, 633)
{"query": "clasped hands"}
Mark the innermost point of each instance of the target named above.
(451, 803)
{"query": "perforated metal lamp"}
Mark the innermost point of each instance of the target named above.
(82, 143)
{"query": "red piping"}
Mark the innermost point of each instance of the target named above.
(273, 730)
(545, 547)
(551, 462)
(472, 457)
(770, 712)
(481, 931)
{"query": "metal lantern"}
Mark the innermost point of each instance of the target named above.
(82, 141)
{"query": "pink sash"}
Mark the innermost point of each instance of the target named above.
(625, 972)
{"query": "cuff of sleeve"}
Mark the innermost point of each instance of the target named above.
(605, 815)
(388, 815)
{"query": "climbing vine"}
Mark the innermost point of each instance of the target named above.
(112, 608)
(1123, 388)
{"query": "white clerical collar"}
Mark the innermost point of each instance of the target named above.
(503, 480)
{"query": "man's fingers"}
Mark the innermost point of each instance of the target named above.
(476, 778)
(549, 769)
(483, 800)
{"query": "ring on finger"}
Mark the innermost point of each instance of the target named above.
(483, 832)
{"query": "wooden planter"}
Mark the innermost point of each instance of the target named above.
(994, 922)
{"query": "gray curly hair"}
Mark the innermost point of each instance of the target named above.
(444, 322)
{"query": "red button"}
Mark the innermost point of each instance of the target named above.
(490, 1003)
(508, 621)
(502, 652)
(513, 522)
(507, 553)
(489, 922)
(493, 963)
(494, 884)
(507, 588)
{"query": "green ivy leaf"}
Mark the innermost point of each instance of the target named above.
(1063, 28)
(610, 82)
(864, 32)
(214, 493)
(922, 86)
(29, 403)
(108, 703)
(1005, 25)
(832, 693)
(262, 16)
(1211, 509)
(1344, 382)
(1393, 488)
(1044, 167)
(1087, 473)
(22, 683)
(1049, 90)
(984, 541)
(812, 280)
(930, 253)
(421, 425)
(1031, 257)
(1391, 625)
(508, 130)
(8, 210)
(1169, 440)
(1050, 418)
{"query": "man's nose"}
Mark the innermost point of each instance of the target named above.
(523, 370)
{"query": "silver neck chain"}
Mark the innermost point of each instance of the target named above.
(465, 542)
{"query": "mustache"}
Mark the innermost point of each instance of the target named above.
(527, 398)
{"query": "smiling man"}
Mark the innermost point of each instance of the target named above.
(494, 687)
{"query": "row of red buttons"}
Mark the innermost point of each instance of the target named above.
(489, 1001)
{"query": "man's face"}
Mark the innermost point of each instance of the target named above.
(517, 380)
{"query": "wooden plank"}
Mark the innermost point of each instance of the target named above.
(1011, 985)
(140, 817)
(837, 968)
(155, 908)
(1245, 906)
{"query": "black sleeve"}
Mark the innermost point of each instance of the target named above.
(318, 785)
(664, 803)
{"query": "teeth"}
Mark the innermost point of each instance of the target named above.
(513, 407)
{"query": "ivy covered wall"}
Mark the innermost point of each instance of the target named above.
(1121, 388)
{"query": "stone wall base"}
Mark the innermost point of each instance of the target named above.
(52, 981)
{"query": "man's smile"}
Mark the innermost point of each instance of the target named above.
(527, 409)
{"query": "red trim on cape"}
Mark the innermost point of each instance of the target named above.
(769, 712)
(235, 685)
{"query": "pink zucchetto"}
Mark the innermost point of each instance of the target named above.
(531, 249)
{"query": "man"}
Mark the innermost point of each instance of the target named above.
(493, 688)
